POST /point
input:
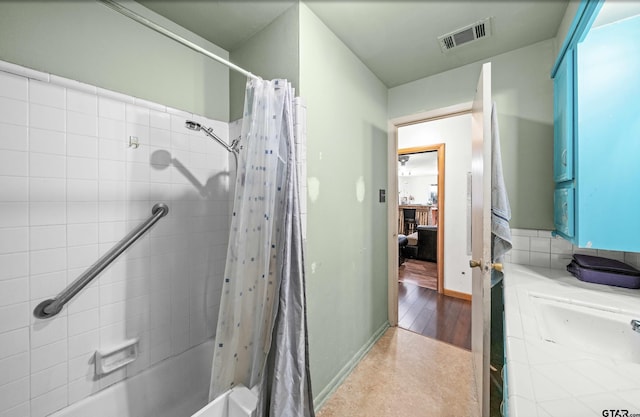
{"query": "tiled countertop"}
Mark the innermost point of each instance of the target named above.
(547, 379)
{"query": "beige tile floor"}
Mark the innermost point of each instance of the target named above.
(407, 375)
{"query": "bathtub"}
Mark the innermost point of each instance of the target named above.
(237, 402)
(176, 387)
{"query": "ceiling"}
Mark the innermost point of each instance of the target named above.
(223, 22)
(613, 11)
(397, 40)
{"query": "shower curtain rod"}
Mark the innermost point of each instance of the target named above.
(166, 32)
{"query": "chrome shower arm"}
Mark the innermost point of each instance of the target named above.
(209, 132)
(191, 125)
(234, 145)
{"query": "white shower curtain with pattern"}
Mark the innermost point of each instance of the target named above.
(261, 337)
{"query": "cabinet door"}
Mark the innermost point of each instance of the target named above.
(563, 215)
(608, 136)
(563, 119)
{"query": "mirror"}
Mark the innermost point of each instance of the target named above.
(418, 178)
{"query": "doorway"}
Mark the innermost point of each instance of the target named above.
(423, 307)
(442, 313)
(477, 242)
(420, 193)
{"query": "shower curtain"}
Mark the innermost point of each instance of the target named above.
(261, 337)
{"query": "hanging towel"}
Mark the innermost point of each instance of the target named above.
(500, 208)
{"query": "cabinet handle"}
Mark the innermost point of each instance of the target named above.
(564, 157)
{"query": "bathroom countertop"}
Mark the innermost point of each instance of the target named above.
(551, 378)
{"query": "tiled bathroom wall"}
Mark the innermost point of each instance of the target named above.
(300, 126)
(71, 186)
(541, 248)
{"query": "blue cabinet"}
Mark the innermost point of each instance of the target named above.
(563, 104)
(597, 137)
(564, 209)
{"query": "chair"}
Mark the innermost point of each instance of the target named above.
(409, 216)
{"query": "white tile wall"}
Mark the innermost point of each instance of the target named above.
(13, 137)
(71, 188)
(14, 86)
(14, 163)
(14, 111)
(46, 141)
(14, 188)
(540, 248)
(300, 126)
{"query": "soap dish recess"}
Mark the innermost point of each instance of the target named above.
(115, 357)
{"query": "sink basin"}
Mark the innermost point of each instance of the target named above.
(597, 330)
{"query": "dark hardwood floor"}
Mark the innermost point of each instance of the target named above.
(425, 311)
(422, 273)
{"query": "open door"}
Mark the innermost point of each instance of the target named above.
(481, 236)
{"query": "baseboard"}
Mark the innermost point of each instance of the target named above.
(457, 294)
(326, 392)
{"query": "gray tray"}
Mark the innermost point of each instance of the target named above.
(604, 271)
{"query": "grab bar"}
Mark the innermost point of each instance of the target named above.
(51, 307)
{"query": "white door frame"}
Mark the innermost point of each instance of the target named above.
(392, 196)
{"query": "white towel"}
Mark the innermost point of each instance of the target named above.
(500, 208)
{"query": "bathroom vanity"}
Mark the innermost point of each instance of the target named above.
(570, 345)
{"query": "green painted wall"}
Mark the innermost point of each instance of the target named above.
(523, 91)
(346, 256)
(88, 42)
(271, 53)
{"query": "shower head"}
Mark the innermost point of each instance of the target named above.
(191, 125)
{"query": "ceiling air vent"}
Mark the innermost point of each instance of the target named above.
(467, 34)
